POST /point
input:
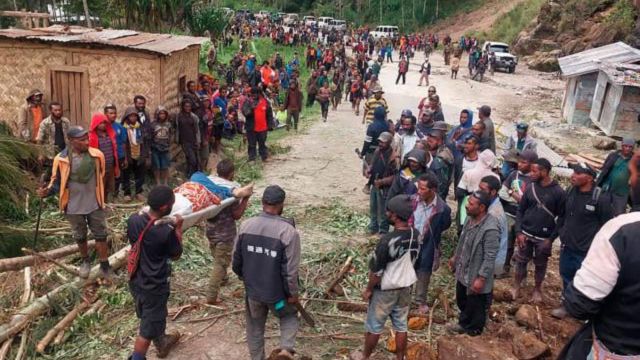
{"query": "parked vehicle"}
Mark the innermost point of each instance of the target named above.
(385, 31)
(262, 14)
(309, 20)
(323, 21)
(290, 19)
(504, 58)
(245, 14)
(338, 25)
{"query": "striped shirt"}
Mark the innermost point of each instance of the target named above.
(371, 104)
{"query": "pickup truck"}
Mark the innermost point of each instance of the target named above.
(290, 19)
(504, 59)
(323, 22)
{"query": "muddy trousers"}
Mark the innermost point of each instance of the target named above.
(533, 249)
(422, 287)
(135, 171)
(256, 316)
(473, 309)
(293, 117)
(221, 252)
(402, 75)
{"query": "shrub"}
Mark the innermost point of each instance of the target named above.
(623, 17)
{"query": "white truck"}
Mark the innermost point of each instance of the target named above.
(337, 25)
(290, 19)
(504, 59)
(323, 22)
(309, 20)
(385, 31)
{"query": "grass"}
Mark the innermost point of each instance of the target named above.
(623, 17)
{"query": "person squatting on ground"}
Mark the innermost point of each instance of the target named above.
(152, 246)
(266, 258)
(78, 179)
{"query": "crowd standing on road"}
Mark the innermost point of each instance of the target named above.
(504, 215)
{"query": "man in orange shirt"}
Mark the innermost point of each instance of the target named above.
(259, 119)
(31, 114)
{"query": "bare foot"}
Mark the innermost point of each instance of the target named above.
(515, 292)
(536, 297)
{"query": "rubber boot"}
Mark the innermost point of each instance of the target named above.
(165, 343)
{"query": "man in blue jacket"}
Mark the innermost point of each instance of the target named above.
(431, 216)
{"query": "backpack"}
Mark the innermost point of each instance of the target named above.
(399, 273)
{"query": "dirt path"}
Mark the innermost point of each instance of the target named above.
(322, 165)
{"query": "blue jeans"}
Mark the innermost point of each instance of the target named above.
(570, 262)
(378, 222)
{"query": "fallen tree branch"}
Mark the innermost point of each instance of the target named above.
(214, 317)
(23, 345)
(42, 231)
(42, 304)
(61, 326)
(539, 318)
(18, 263)
(70, 269)
(343, 272)
(6, 347)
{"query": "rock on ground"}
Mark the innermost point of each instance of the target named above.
(527, 347)
(463, 347)
(526, 316)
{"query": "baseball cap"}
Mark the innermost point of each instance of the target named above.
(528, 155)
(401, 205)
(385, 137)
(583, 168)
(628, 141)
(273, 195)
(406, 113)
(522, 126)
(75, 132)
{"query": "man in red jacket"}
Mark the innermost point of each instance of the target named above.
(103, 137)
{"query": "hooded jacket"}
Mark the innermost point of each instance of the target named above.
(97, 119)
(25, 120)
(405, 180)
(455, 145)
(377, 127)
(140, 133)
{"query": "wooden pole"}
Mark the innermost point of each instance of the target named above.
(85, 5)
(17, 263)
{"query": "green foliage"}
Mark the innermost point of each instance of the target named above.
(507, 27)
(623, 17)
(576, 11)
(207, 18)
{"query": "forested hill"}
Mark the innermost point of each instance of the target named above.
(172, 15)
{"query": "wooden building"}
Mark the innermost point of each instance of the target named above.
(85, 68)
(581, 72)
(616, 101)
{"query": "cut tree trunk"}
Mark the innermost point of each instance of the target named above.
(343, 272)
(42, 304)
(18, 263)
(61, 326)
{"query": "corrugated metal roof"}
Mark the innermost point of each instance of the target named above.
(589, 60)
(622, 74)
(163, 44)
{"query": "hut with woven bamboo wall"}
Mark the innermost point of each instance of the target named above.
(85, 69)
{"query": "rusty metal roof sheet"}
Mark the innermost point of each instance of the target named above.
(589, 60)
(163, 44)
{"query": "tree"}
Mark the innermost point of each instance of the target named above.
(207, 18)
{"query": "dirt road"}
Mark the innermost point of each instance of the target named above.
(322, 166)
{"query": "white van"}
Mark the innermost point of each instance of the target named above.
(338, 25)
(323, 21)
(309, 20)
(290, 19)
(385, 31)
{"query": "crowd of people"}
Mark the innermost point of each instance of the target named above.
(416, 169)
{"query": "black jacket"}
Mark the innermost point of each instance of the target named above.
(248, 109)
(607, 166)
(606, 289)
(533, 219)
(584, 216)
